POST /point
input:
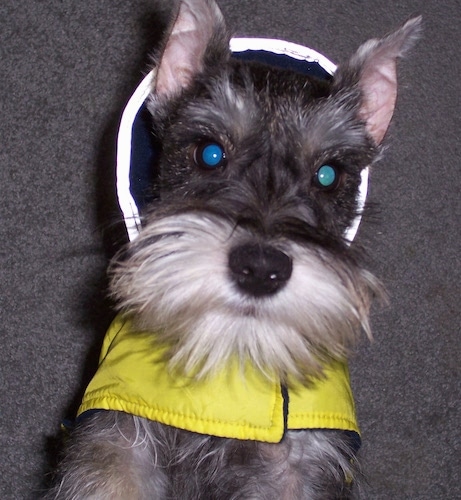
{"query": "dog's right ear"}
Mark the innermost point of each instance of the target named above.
(197, 33)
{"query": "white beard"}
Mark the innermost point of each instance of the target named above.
(177, 284)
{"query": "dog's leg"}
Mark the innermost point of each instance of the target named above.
(112, 455)
(306, 465)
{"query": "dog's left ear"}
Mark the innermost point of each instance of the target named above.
(374, 69)
(197, 37)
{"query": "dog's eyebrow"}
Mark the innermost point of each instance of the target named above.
(225, 109)
(331, 126)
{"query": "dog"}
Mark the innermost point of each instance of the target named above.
(241, 290)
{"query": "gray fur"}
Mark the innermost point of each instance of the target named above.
(277, 128)
(119, 457)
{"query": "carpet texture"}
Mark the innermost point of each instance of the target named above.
(66, 70)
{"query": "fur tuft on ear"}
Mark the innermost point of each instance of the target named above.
(194, 26)
(374, 69)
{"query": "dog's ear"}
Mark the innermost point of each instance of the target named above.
(373, 69)
(197, 37)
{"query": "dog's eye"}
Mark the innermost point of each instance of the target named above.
(209, 155)
(327, 177)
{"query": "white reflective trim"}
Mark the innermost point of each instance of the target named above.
(361, 199)
(282, 47)
(127, 205)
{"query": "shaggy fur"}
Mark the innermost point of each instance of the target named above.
(119, 460)
(246, 257)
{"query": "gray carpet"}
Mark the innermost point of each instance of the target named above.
(66, 69)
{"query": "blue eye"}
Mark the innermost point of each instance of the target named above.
(210, 155)
(327, 177)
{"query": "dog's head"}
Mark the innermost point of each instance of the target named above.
(245, 254)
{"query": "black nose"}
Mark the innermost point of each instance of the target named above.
(259, 269)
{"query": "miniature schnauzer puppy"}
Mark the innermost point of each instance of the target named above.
(242, 261)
